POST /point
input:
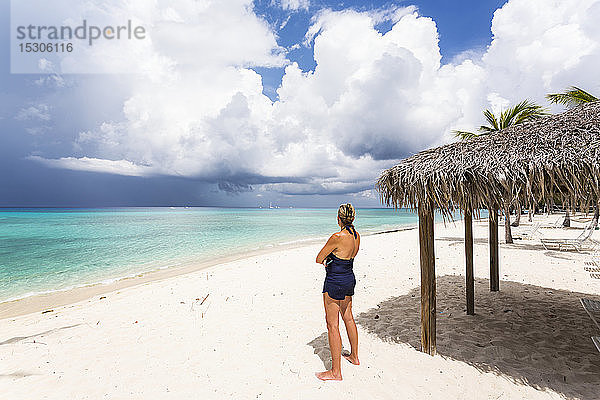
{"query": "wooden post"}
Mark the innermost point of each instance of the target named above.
(470, 282)
(507, 232)
(494, 263)
(426, 245)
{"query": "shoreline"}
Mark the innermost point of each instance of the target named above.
(48, 301)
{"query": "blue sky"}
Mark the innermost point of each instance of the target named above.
(200, 133)
(462, 25)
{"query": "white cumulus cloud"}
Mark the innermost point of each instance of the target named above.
(119, 167)
(295, 4)
(372, 99)
(34, 112)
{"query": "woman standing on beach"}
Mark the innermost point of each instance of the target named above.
(338, 257)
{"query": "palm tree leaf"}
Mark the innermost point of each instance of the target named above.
(522, 112)
(571, 97)
(464, 135)
(492, 120)
(486, 130)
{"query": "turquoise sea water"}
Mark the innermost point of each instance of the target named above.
(55, 249)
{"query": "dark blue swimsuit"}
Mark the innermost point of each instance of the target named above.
(340, 280)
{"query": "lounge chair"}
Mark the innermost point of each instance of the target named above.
(596, 340)
(527, 233)
(593, 262)
(556, 224)
(577, 243)
(592, 308)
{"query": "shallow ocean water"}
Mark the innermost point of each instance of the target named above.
(55, 249)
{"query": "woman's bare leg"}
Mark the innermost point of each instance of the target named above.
(332, 310)
(346, 311)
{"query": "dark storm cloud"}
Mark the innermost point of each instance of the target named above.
(324, 189)
(234, 188)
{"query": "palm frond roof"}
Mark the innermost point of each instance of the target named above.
(536, 161)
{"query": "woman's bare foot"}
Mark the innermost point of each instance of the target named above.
(328, 376)
(353, 359)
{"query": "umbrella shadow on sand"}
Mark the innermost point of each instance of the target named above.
(531, 335)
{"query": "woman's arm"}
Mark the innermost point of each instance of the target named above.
(330, 246)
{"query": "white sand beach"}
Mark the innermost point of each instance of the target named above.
(254, 328)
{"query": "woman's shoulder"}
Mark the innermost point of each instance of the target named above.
(336, 235)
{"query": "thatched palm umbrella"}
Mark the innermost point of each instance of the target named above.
(553, 157)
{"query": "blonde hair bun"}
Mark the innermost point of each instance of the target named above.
(346, 213)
